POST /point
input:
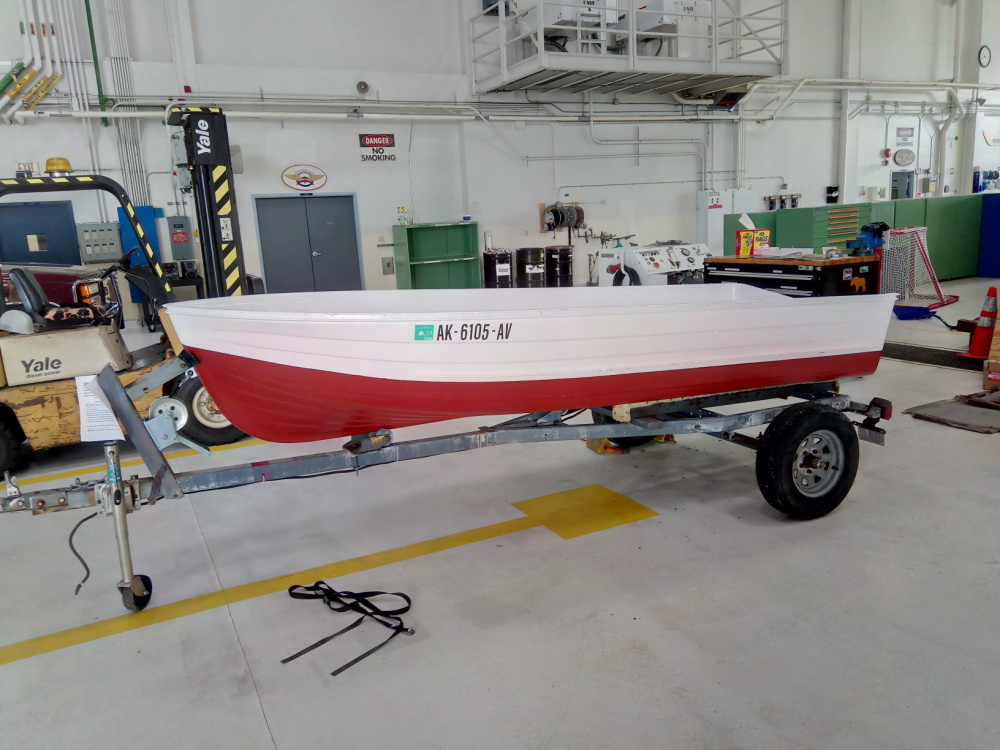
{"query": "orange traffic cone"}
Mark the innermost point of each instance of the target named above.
(982, 337)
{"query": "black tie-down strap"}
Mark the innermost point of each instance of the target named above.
(349, 601)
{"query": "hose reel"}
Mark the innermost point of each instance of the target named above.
(557, 217)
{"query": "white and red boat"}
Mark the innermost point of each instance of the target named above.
(300, 367)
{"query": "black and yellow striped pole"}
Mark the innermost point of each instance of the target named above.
(207, 141)
(10, 185)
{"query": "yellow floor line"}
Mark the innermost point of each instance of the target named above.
(929, 330)
(125, 464)
(569, 514)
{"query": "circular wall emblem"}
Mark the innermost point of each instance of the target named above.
(304, 177)
(904, 157)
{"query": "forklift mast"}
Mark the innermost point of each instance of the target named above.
(10, 185)
(207, 141)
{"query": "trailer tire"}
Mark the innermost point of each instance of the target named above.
(205, 425)
(620, 442)
(807, 461)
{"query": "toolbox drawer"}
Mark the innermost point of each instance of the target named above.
(813, 279)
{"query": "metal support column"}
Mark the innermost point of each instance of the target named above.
(207, 140)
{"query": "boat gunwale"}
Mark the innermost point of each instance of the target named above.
(314, 316)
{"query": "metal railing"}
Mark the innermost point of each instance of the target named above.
(626, 35)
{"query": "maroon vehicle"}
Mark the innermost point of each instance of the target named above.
(65, 285)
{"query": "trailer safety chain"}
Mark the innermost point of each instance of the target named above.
(349, 601)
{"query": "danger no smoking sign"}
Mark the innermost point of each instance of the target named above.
(378, 147)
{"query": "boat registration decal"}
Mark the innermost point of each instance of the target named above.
(463, 332)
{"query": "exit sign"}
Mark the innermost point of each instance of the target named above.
(27, 166)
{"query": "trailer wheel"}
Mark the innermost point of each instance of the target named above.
(807, 460)
(621, 442)
(205, 424)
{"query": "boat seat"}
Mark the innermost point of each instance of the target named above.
(46, 314)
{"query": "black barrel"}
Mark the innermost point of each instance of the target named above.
(529, 267)
(559, 265)
(496, 270)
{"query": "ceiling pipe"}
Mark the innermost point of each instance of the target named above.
(859, 83)
(956, 62)
(55, 49)
(101, 99)
(31, 69)
(236, 114)
(788, 99)
(691, 100)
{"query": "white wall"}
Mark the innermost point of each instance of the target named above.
(417, 51)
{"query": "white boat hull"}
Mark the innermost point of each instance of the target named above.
(309, 366)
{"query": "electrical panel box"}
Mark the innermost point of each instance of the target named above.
(713, 206)
(99, 242)
(181, 242)
(694, 28)
(599, 11)
(146, 216)
(593, 13)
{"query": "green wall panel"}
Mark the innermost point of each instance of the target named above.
(953, 225)
(910, 213)
(884, 211)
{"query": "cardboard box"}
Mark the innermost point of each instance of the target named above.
(991, 375)
(40, 357)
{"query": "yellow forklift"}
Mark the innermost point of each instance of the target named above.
(40, 407)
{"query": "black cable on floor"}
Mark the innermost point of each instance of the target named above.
(72, 549)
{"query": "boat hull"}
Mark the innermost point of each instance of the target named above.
(302, 367)
(288, 404)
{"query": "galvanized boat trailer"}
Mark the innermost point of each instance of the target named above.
(806, 460)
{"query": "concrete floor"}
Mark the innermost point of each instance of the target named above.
(971, 294)
(715, 624)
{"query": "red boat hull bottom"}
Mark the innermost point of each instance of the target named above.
(286, 404)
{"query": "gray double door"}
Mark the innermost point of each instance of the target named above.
(309, 244)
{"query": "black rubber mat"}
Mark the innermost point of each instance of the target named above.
(925, 355)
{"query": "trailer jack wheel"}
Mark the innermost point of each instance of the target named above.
(133, 601)
(807, 460)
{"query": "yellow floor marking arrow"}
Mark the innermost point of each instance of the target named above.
(569, 514)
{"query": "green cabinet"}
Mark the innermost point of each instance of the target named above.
(437, 256)
(953, 227)
(821, 226)
(815, 227)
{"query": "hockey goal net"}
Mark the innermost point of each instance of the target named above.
(907, 270)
